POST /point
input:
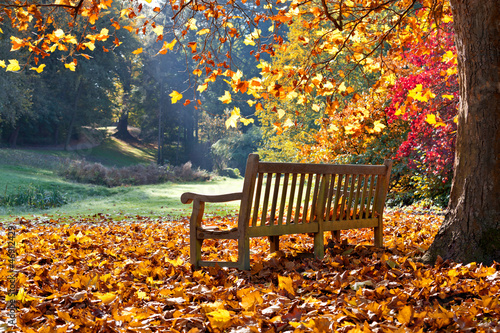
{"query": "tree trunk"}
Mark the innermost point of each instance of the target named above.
(13, 137)
(471, 228)
(73, 115)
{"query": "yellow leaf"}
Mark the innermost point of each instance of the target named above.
(148, 1)
(167, 46)
(176, 96)
(251, 299)
(197, 72)
(220, 318)
(378, 126)
(405, 315)
(281, 113)
(315, 107)
(2, 64)
(158, 30)
(342, 87)
(251, 102)
(246, 122)
(448, 56)
(450, 97)
(13, 66)
(38, 69)
(59, 33)
(226, 99)
(286, 283)
(202, 87)
(106, 298)
(138, 51)
(203, 32)
(71, 66)
(142, 295)
(431, 119)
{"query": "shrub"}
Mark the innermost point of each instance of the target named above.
(34, 196)
(95, 173)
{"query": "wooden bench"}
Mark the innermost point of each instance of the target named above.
(294, 198)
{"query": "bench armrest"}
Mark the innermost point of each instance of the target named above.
(188, 197)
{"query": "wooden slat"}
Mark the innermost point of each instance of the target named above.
(376, 202)
(315, 197)
(290, 201)
(257, 200)
(270, 167)
(337, 197)
(285, 229)
(369, 206)
(330, 197)
(217, 234)
(344, 197)
(299, 198)
(308, 195)
(356, 198)
(363, 198)
(351, 194)
(265, 202)
(283, 199)
(344, 225)
(274, 201)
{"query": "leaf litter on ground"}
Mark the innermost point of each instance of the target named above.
(95, 274)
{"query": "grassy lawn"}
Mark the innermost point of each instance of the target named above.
(22, 169)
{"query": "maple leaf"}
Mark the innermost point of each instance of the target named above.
(138, 51)
(286, 283)
(220, 318)
(232, 120)
(38, 69)
(176, 96)
(13, 66)
(203, 32)
(167, 46)
(2, 64)
(226, 99)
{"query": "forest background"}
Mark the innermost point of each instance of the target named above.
(131, 77)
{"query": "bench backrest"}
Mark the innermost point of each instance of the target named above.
(286, 198)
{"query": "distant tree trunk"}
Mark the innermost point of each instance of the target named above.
(73, 115)
(122, 131)
(14, 136)
(471, 229)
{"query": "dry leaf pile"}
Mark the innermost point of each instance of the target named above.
(99, 275)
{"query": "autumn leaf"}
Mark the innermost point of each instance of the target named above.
(167, 46)
(106, 298)
(220, 318)
(232, 120)
(286, 283)
(176, 96)
(226, 99)
(138, 51)
(2, 64)
(203, 32)
(71, 66)
(13, 66)
(38, 69)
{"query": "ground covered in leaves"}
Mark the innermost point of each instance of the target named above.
(99, 275)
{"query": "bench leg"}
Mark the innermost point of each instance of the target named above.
(195, 251)
(274, 242)
(379, 236)
(244, 253)
(319, 245)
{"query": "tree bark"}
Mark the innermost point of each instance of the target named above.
(471, 229)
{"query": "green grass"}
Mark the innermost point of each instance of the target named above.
(114, 152)
(21, 169)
